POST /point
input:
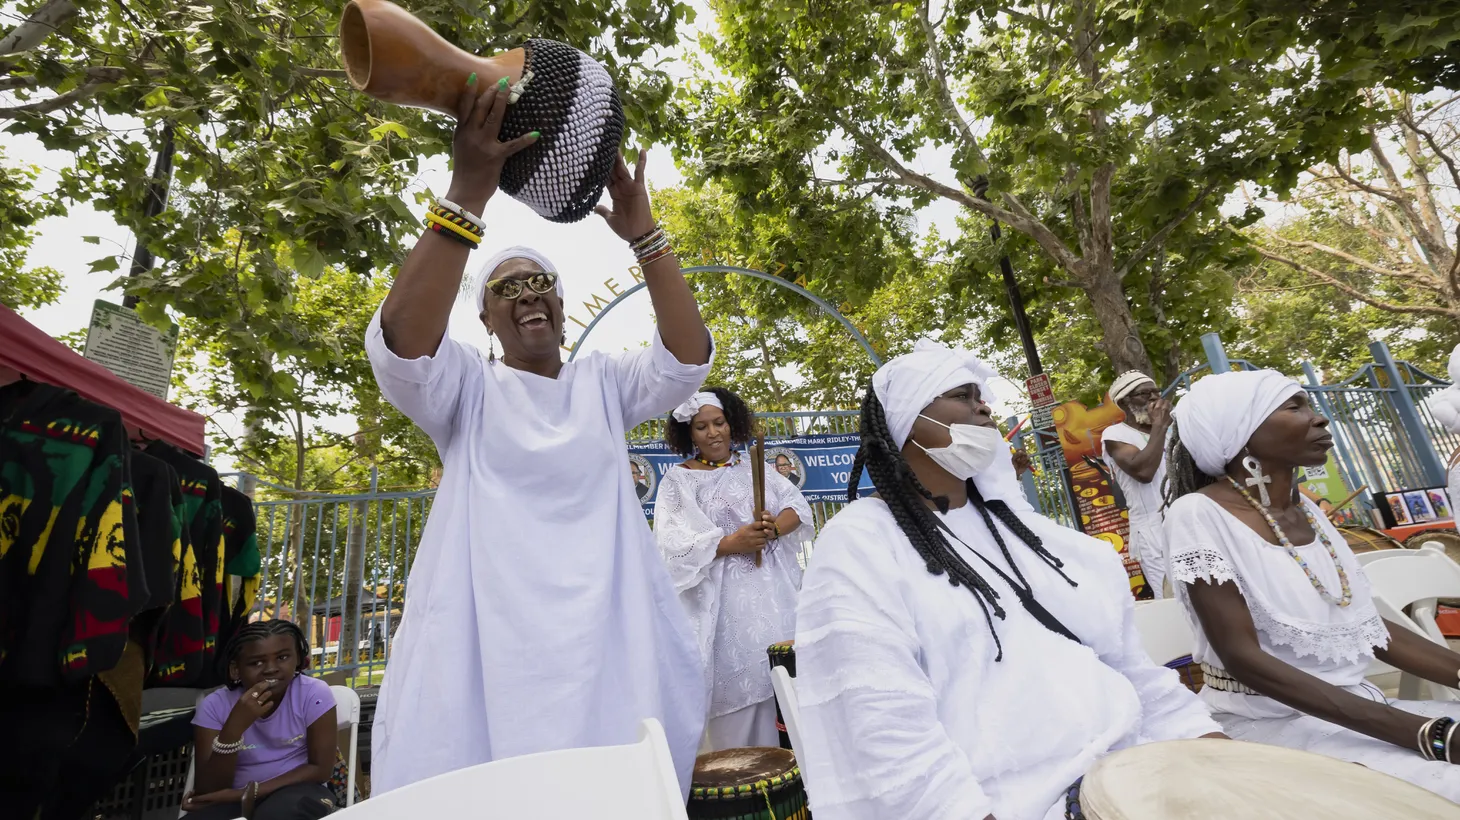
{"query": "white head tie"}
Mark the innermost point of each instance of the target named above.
(1221, 413)
(478, 287)
(910, 382)
(687, 411)
(1445, 405)
(1126, 383)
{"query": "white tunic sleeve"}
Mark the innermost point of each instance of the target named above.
(1196, 550)
(1169, 710)
(652, 382)
(875, 746)
(426, 389)
(687, 537)
(782, 495)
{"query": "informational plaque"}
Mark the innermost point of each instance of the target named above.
(137, 352)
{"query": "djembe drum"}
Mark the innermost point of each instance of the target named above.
(747, 784)
(555, 89)
(783, 654)
(1210, 779)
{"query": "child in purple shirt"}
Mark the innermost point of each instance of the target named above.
(265, 744)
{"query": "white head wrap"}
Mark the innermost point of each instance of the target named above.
(687, 411)
(478, 290)
(1126, 383)
(911, 381)
(1445, 405)
(1221, 413)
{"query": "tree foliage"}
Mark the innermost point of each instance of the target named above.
(777, 349)
(1105, 132)
(21, 207)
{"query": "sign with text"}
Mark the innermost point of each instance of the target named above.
(1041, 392)
(137, 352)
(820, 466)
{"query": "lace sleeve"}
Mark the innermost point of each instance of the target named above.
(784, 496)
(1195, 549)
(687, 537)
(874, 745)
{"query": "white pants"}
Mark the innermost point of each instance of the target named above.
(754, 725)
(1148, 545)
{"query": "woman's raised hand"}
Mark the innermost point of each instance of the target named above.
(476, 152)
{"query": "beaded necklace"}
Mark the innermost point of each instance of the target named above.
(717, 464)
(1282, 537)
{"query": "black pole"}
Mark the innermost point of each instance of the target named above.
(1011, 288)
(157, 189)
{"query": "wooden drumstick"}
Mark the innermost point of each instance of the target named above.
(1339, 506)
(757, 480)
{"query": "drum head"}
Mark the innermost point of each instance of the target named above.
(1210, 779)
(738, 767)
(1448, 539)
(1366, 539)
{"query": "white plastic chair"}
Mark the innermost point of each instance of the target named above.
(785, 687)
(1415, 581)
(1367, 558)
(633, 782)
(1164, 631)
(347, 713)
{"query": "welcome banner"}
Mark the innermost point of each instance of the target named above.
(820, 466)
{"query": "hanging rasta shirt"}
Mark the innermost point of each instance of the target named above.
(178, 658)
(202, 491)
(241, 557)
(70, 581)
(153, 486)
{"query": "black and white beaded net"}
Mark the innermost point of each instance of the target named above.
(571, 100)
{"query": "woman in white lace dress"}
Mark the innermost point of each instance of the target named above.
(737, 577)
(1284, 618)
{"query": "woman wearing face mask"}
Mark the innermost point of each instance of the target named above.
(737, 577)
(1284, 620)
(538, 615)
(957, 654)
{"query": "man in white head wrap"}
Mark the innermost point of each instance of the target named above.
(921, 698)
(1445, 407)
(1285, 623)
(538, 614)
(1135, 450)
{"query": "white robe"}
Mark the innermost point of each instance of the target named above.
(906, 714)
(1298, 627)
(1143, 501)
(538, 615)
(738, 609)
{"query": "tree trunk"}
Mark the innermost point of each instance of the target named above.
(37, 27)
(1119, 337)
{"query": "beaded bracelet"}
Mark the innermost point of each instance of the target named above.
(448, 205)
(456, 219)
(1434, 738)
(454, 228)
(227, 748)
(452, 235)
(640, 241)
(655, 257)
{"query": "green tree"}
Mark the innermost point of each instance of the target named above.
(1101, 132)
(21, 207)
(777, 349)
(1377, 229)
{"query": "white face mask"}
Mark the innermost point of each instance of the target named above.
(971, 452)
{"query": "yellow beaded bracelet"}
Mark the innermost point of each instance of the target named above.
(456, 229)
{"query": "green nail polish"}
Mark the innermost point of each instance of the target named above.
(502, 84)
(534, 134)
(472, 80)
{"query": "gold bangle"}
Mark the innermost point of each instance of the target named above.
(456, 229)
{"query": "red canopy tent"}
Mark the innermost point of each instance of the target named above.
(26, 349)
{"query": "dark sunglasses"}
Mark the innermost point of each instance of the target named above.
(510, 289)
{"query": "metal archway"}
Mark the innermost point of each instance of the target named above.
(754, 274)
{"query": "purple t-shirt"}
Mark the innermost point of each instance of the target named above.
(278, 743)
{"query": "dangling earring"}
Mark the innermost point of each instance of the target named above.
(491, 346)
(1258, 479)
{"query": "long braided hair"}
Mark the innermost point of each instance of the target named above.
(1183, 477)
(898, 486)
(259, 630)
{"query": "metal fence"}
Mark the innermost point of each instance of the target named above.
(312, 545)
